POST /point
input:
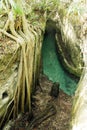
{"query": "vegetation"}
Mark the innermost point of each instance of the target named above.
(23, 22)
(19, 22)
(18, 29)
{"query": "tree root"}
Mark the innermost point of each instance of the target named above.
(23, 37)
(48, 112)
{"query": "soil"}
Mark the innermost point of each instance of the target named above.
(60, 114)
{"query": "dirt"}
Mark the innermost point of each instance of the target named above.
(40, 102)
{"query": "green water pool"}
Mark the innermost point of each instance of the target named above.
(53, 68)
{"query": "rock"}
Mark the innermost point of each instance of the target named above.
(55, 90)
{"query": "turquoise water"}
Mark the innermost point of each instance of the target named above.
(52, 66)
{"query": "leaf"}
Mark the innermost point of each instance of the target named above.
(16, 7)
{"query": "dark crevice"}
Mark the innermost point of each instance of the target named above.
(4, 95)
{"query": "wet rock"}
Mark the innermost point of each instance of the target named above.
(55, 90)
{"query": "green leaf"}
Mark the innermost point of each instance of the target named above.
(16, 7)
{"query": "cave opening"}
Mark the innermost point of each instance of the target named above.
(51, 61)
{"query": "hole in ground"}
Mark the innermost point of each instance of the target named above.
(51, 61)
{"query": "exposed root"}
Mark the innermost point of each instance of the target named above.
(8, 34)
(24, 38)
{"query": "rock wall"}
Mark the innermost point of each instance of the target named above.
(70, 28)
